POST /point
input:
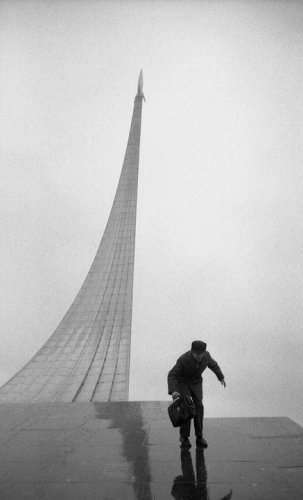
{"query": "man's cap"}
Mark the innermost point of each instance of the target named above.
(198, 345)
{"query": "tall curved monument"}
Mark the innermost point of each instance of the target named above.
(87, 357)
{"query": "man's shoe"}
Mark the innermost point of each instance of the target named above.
(201, 443)
(185, 442)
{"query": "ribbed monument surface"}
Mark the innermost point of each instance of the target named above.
(87, 357)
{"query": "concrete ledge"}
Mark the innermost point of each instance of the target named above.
(130, 450)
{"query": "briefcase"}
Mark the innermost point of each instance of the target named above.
(181, 410)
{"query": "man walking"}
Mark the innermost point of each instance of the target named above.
(185, 379)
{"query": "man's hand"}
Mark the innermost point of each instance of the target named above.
(223, 382)
(175, 395)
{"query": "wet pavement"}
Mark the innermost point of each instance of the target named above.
(130, 451)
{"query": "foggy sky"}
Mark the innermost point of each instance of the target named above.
(219, 225)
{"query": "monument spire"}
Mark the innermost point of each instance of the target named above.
(87, 357)
(140, 85)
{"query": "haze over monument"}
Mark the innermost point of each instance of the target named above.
(87, 358)
(220, 250)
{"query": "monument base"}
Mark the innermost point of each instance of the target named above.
(129, 450)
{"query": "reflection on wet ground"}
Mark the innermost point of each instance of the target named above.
(129, 421)
(191, 486)
(130, 451)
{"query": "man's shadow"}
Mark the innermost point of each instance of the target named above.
(188, 486)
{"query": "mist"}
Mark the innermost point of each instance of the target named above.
(219, 221)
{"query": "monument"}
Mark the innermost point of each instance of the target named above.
(104, 446)
(87, 357)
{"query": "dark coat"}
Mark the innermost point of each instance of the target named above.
(187, 370)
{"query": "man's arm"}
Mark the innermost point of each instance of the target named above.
(213, 365)
(173, 376)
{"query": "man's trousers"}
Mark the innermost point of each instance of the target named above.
(195, 391)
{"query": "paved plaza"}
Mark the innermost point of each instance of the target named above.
(129, 450)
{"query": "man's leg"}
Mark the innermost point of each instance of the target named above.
(184, 390)
(196, 393)
(185, 429)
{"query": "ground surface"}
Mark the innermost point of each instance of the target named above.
(88, 451)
